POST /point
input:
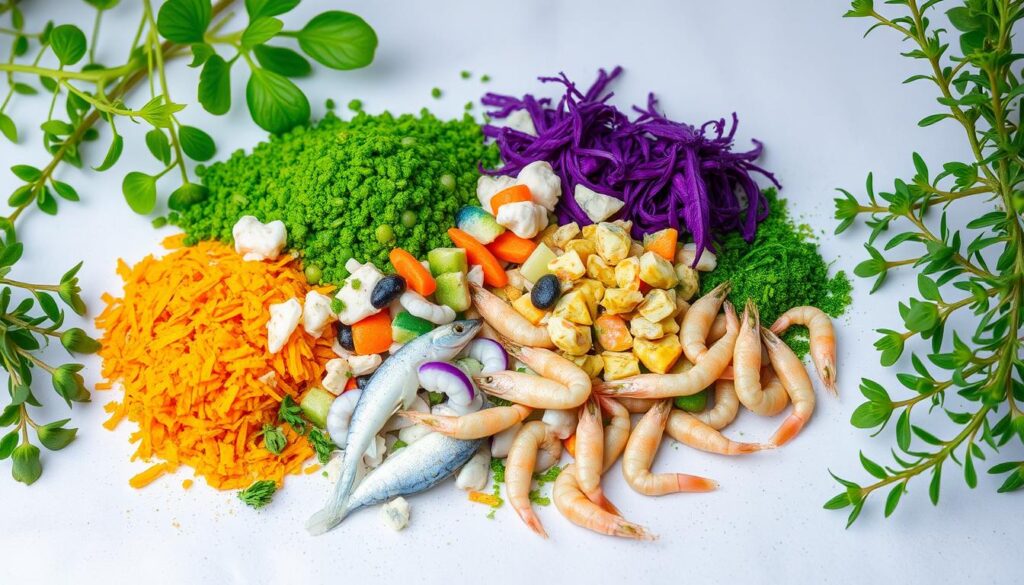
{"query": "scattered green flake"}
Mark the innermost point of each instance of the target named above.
(436, 93)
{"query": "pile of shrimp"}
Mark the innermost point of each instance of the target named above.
(746, 364)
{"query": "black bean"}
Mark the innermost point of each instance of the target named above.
(345, 337)
(387, 290)
(545, 292)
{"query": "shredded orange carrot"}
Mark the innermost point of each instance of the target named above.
(188, 343)
(482, 498)
(187, 484)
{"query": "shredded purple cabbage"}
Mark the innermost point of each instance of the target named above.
(669, 174)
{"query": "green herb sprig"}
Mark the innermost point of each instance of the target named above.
(258, 494)
(973, 378)
(83, 93)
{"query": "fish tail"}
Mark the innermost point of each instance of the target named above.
(325, 520)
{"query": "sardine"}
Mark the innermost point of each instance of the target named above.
(413, 469)
(392, 386)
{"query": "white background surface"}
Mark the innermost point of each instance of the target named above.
(829, 107)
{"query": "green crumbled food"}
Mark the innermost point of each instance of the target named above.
(498, 470)
(548, 476)
(356, 105)
(436, 93)
(465, 74)
(499, 401)
(329, 104)
(322, 445)
(159, 222)
(398, 444)
(485, 78)
(335, 183)
(779, 270)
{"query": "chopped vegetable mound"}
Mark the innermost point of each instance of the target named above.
(188, 343)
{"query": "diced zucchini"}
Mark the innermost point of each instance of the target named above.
(315, 405)
(453, 290)
(405, 327)
(536, 265)
(442, 260)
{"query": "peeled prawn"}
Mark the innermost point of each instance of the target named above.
(822, 336)
(635, 405)
(697, 378)
(475, 425)
(797, 383)
(616, 432)
(589, 454)
(698, 320)
(746, 366)
(559, 383)
(507, 321)
(639, 455)
(576, 508)
(534, 441)
(690, 430)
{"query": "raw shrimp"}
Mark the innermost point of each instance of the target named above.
(534, 440)
(746, 365)
(717, 329)
(697, 378)
(635, 405)
(589, 454)
(475, 425)
(823, 340)
(616, 433)
(725, 409)
(507, 321)
(575, 507)
(489, 353)
(559, 383)
(797, 383)
(639, 455)
(698, 320)
(690, 430)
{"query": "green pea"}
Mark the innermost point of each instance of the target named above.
(313, 274)
(408, 218)
(448, 181)
(692, 403)
(385, 234)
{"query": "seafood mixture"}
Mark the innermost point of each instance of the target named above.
(527, 341)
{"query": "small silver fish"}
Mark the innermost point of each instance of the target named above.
(393, 385)
(413, 469)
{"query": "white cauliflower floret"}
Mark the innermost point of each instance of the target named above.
(317, 313)
(475, 473)
(255, 240)
(355, 294)
(487, 187)
(336, 374)
(364, 364)
(284, 318)
(524, 218)
(597, 206)
(545, 186)
(396, 513)
(522, 121)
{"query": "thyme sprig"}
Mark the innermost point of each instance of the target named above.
(58, 62)
(979, 269)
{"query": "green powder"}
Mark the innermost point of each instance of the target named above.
(779, 270)
(349, 188)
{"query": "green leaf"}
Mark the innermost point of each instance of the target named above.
(215, 86)
(201, 53)
(893, 499)
(962, 19)
(57, 127)
(26, 468)
(159, 146)
(103, 4)
(1013, 482)
(839, 502)
(54, 437)
(69, 383)
(921, 316)
(184, 21)
(65, 191)
(859, 8)
(10, 415)
(11, 253)
(903, 430)
(186, 195)
(21, 196)
(275, 103)
(339, 40)
(258, 8)
(113, 153)
(933, 119)
(196, 144)
(970, 473)
(139, 191)
(933, 488)
(925, 435)
(872, 467)
(8, 443)
(46, 202)
(870, 415)
(159, 112)
(281, 60)
(7, 128)
(929, 289)
(68, 44)
(26, 173)
(78, 341)
(260, 31)
(48, 305)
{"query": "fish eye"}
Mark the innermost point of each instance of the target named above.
(489, 380)
(459, 329)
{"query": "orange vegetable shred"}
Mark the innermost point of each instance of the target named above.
(188, 344)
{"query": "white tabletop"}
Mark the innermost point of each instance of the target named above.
(828, 105)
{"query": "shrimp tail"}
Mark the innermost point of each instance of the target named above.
(722, 290)
(602, 500)
(530, 518)
(695, 483)
(325, 520)
(738, 448)
(789, 429)
(437, 423)
(828, 377)
(627, 529)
